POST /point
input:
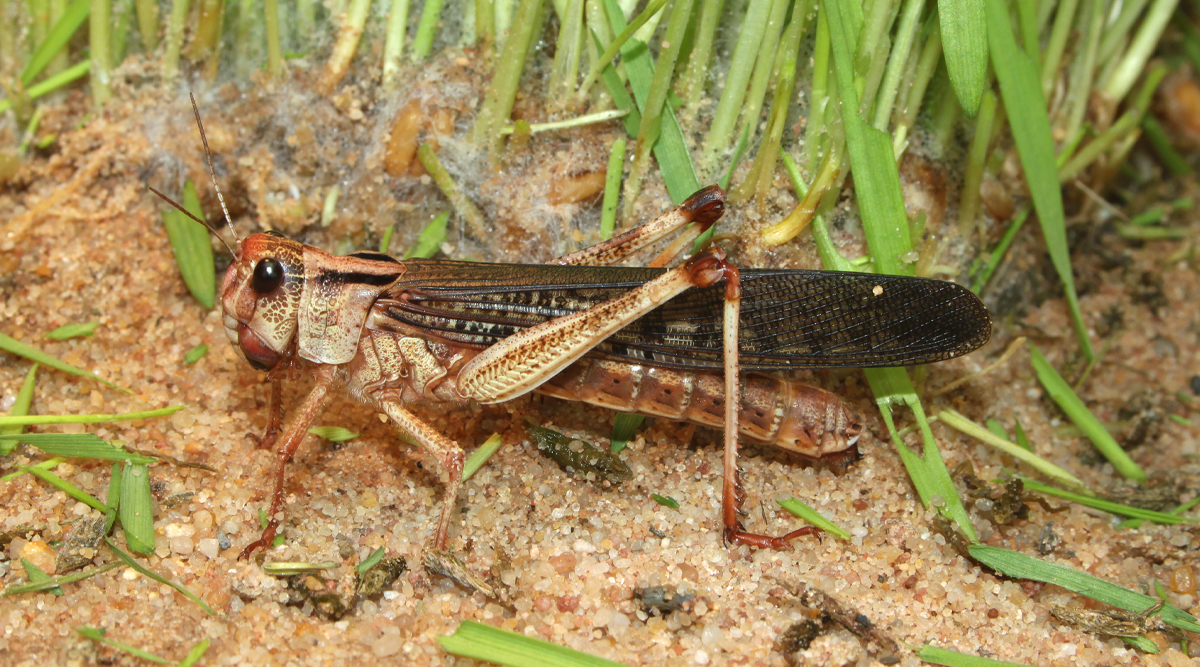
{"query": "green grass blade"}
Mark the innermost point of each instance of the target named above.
(329, 206)
(906, 36)
(695, 75)
(1021, 441)
(73, 331)
(964, 46)
(1064, 15)
(997, 254)
(564, 73)
(654, 102)
(192, 247)
(144, 571)
(812, 516)
(385, 243)
(665, 501)
(501, 93)
(577, 121)
(620, 97)
(423, 41)
(52, 83)
(195, 354)
(274, 43)
(66, 487)
(1160, 141)
(481, 455)
(80, 446)
(1145, 41)
(38, 576)
(462, 205)
(942, 656)
(977, 154)
(194, 654)
(56, 39)
(1136, 523)
(932, 481)
(370, 562)
(48, 464)
(612, 188)
(100, 418)
(720, 132)
(137, 511)
(765, 62)
(480, 641)
(1021, 91)
(1143, 644)
(625, 426)
(1108, 505)
(20, 408)
(624, 34)
(333, 433)
(674, 160)
(54, 582)
(9, 344)
(429, 241)
(99, 24)
(995, 427)
(1079, 414)
(1019, 565)
(876, 179)
(958, 422)
(175, 28)
(112, 501)
(97, 634)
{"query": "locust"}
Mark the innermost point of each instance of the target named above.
(663, 342)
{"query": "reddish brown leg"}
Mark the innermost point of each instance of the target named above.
(292, 438)
(703, 208)
(274, 413)
(731, 490)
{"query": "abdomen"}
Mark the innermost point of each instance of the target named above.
(792, 415)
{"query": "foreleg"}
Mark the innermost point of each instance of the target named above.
(274, 413)
(292, 438)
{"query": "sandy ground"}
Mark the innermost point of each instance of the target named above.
(83, 240)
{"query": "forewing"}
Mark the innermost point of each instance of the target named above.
(789, 318)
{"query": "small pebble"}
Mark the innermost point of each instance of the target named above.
(202, 520)
(1183, 580)
(223, 540)
(182, 546)
(40, 554)
(1196, 385)
(617, 625)
(389, 644)
(174, 530)
(209, 547)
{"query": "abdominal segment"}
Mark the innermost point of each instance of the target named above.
(792, 415)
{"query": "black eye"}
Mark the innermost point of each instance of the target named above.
(268, 276)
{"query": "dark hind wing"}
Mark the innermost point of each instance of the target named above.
(790, 318)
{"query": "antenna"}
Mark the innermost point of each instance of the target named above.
(188, 213)
(213, 173)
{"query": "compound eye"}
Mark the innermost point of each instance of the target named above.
(268, 276)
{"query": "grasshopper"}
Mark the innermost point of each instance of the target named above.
(664, 342)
